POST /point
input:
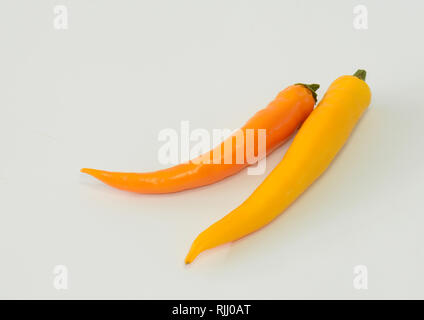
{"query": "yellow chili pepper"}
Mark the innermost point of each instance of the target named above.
(316, 144)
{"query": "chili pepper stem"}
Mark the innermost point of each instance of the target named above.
(312, 87)
(360, 74)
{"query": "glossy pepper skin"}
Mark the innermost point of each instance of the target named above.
(314, 147)
(280, 119)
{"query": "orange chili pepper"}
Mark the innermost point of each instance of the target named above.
(280, 119)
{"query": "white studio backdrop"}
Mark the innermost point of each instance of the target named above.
(97, 92)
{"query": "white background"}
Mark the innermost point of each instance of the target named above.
(97, 95)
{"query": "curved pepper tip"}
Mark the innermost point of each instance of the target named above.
(92, 172)
(188, 259)
(192, 254)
